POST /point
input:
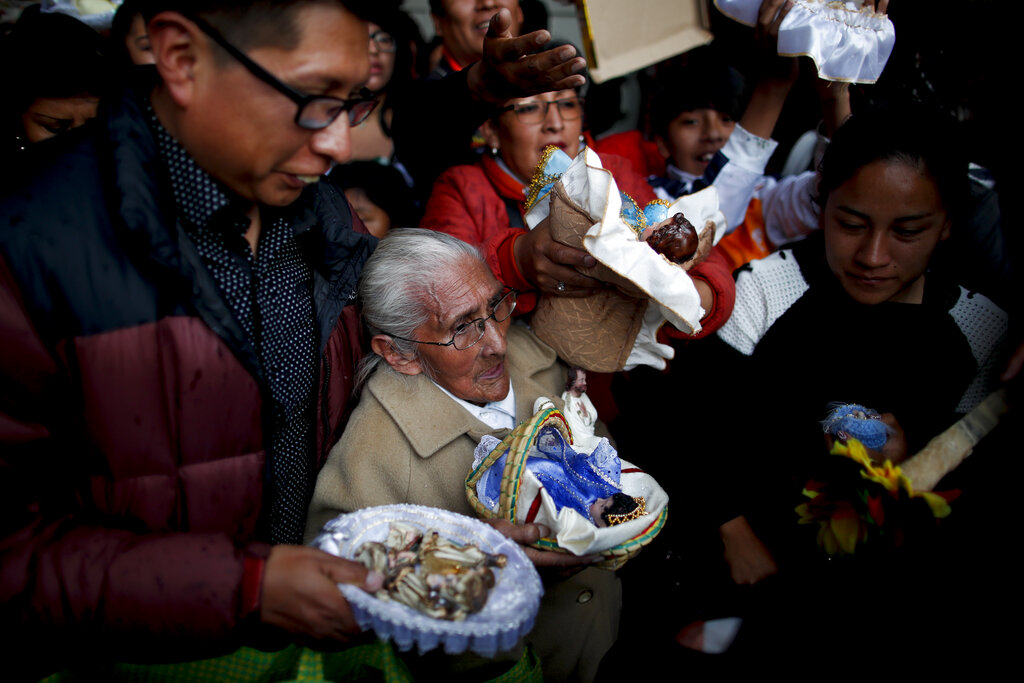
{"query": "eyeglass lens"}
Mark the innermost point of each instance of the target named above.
(569, 109)
(321, 112)
(385, 41)
(474, 330)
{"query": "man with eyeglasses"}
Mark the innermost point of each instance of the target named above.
(179, 340)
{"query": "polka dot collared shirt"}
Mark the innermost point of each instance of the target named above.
(270, 294)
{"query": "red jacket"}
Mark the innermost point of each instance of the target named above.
(469, 203)
(130, 408)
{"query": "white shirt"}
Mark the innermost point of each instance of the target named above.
(496, 415)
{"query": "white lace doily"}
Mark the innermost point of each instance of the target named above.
(511, 607)
(847, 41)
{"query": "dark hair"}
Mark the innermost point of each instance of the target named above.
(56, 56)
(911, 134)
(384, 186)
(254, 23)
(621, 505)
(119, 30)
(406, 33)
(704, 82)
(570, 378)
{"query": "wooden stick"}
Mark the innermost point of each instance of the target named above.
(947, 450)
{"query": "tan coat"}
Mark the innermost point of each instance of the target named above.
(408, 442)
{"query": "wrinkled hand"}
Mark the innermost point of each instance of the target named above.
(508, 70)
(748, 559)
(545, 262)
(525, 534)
(301, 596)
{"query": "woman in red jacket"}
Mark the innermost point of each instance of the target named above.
(483, 204)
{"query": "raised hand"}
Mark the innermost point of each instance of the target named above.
(508, 70)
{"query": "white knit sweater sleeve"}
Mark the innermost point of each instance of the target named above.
(985, 326)
(764, 292)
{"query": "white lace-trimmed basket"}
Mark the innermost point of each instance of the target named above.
(511, 606)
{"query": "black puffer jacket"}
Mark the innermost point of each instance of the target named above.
(130, 404)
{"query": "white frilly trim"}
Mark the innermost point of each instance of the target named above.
(511, 606)
(847, 42)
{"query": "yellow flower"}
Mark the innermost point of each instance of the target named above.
(888, 475)
(842, 532)
(938, 504)
(852, 449)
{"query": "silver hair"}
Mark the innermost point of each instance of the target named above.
(398, 281)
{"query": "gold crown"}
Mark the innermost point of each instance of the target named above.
(636, 513)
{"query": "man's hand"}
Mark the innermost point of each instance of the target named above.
(301, 596)
(524, 534)
(748, 559)
(545, 263)
(508, 70)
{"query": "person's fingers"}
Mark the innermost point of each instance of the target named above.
(520, 533)
(550, 558)
(767, 12)
(570, 256)
(773, 28)
(511, 48)
(554, 62)
(501, 25)
(563, 281)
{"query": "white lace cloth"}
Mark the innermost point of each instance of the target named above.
(511, 607)
(847, 42)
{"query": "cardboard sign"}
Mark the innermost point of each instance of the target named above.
(620, 37)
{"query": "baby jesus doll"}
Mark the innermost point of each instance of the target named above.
(590, 499)
(644, 254)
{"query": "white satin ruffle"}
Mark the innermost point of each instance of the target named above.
(847, 42)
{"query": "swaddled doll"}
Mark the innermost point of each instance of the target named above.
(590, 498)
(643, 253)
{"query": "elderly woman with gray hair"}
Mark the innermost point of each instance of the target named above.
(448, 367)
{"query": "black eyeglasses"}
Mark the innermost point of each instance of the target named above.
(385, 41)
(469, 333)
(570, 109)
(316, 112)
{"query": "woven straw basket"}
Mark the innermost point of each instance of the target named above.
(518, 444)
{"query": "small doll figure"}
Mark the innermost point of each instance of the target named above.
(579, 411)
(674, 237)
(616, 509)
(848, 420)
(581, 495)
(642, 254)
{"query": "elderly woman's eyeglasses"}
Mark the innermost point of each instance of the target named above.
(469, 333)
(316, 112)
(384, 41)
(570, 109)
